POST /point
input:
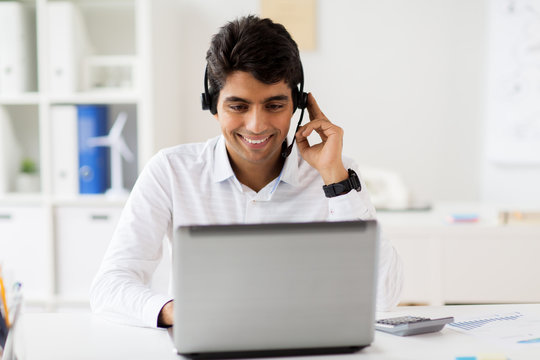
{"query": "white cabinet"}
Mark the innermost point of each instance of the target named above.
(24, 250)
(484, 262)
(488, 264)
(82, 237)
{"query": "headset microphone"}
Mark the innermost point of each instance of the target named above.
(288, 149)
(301, 101)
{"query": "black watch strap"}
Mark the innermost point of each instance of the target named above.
(343, 187)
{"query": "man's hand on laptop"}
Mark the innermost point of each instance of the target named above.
(166, 315)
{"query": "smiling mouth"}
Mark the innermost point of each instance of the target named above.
(255, 141)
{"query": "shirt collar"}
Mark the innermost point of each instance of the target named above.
(222, 165)
(223, 170)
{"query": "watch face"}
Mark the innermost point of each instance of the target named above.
(355, 181)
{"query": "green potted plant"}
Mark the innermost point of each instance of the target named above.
(28, 177)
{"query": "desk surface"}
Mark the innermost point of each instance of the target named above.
(85, 336)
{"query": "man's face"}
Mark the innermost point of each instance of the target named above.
(254, 119)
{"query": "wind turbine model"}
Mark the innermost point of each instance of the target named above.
(119, 149)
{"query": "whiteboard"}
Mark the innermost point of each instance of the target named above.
(513, 82)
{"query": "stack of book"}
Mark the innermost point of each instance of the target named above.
(78, 167)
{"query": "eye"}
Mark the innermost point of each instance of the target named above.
(238, 107)
(275, 106)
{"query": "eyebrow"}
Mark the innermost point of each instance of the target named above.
(271, 98)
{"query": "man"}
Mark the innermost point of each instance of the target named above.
(243, 176)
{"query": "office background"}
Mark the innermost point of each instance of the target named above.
(406, 80)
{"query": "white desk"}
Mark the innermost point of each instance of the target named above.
(84, 336)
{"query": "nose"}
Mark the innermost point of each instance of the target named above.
(256, 121)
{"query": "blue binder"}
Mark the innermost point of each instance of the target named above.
(93, 160)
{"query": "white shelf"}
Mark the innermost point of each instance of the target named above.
(109, 97)
(104, 3)
(89, 200)
(20, 99)
(22, 199)
(132, 32)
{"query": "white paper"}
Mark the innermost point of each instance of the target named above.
(515, 328)
(65, 150)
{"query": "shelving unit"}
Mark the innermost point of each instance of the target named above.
(41, 233)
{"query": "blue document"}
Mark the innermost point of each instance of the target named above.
(92, 121)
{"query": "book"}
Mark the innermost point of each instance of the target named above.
(92, 121)
(68, 45)
(65, 160)
(17, 48)
(10, 153)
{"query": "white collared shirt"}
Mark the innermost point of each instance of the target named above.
(195, 184)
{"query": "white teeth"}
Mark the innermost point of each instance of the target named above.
(255, 141)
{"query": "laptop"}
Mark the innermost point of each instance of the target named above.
(285, 289)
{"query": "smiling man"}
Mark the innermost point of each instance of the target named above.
(248, 174)
(254, 119)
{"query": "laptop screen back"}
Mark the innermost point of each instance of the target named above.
(274, 286)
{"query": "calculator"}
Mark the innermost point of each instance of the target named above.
(411, 325)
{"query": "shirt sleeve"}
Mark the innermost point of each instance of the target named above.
(356, 205)
(121, 289)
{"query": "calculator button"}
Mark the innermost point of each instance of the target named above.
(402, 320)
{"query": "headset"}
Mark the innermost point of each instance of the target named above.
(299, 97)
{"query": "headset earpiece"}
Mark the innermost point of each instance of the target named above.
(205, 102)
(208, 98)
(299, 99)
(208, 102)
(302, 100)
(299, 96)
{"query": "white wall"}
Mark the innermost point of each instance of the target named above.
(512, 90)
(403, 78)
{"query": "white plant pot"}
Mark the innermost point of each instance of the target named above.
(27, 183)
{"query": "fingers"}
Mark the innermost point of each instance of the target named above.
(313, 109)
(323, 127)
(302, 143)
(318, 122)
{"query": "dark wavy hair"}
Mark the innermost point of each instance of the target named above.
(260, 47)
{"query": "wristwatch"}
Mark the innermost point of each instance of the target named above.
(343, 187)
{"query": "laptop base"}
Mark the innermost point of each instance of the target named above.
(274, 353)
